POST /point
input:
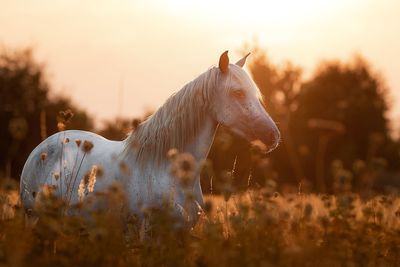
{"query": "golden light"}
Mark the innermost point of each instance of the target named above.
(252, 11)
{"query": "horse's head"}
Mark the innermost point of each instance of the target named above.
(238, 104)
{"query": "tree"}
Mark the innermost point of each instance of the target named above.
(339, 113)
(340, 95)
(27, 113)
(117, 129)
(280, 86)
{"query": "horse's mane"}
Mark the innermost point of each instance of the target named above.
(176, 123)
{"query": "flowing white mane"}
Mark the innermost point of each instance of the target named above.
(176, 123)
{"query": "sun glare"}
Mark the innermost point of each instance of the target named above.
(254, 10)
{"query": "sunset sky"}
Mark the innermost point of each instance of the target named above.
(152, 48)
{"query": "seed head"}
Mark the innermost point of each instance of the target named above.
(124, 168)
(100, 171)
(43, 156)
(68, 114)
(308, 209)
(184, 167)
(81, 190)
(78, 142)
(172, 153)
(92, 178)
(60, 126)
(87, 146)
(65, 116)
(258, 149)
(47, 190)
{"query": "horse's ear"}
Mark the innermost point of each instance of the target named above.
(242, 61)
(224, 62)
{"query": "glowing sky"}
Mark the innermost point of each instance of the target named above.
(151, 48)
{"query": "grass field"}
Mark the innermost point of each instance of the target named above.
(254, 228)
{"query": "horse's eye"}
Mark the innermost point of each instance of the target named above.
(238, 93)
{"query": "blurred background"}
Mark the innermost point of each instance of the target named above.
(328, 72)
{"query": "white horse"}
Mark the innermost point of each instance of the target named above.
(187, 122)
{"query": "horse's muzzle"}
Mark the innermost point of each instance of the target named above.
(270, 136)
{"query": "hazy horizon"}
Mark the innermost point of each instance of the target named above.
(152, 48)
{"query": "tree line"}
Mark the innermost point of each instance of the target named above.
(334, 125)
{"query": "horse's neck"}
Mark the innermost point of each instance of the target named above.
(183, 122)
(201, 143)
(200, 148)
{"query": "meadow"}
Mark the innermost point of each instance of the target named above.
(329, 146)
(259, 227)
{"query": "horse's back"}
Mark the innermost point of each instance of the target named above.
(61, 160)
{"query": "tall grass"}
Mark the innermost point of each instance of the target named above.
(255, 228)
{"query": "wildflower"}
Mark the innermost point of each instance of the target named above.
(68, 114)
(47, 190)
(100, 171)
(183, 167)
(60, 126)
(81, 190)
(87, 146)
(342, 181)
(208, 207)
(308, 209)
(368, 212)
(337, 165)
(7, 184)
(124, 168)
(43, 156)
(92, 178)
(258, 149)
(223, 140)
(56, 175)
(270, 184)
(172, 153)
(258, 145)
(78, 142)
(65, 116)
